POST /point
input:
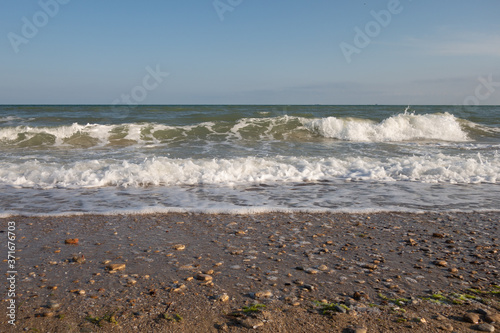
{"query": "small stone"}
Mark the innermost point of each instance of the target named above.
(359, 295)
(263, 294)
(323, 268)
(81, 292)
(204, 277)
(340, 309)
(48, 314)
(484, 328)
(419, 320)
(411, 242)
(71, 241)
(179, 247)
(79, 259)
(483, 312)
(446, 327)
(471, 318)
(453, 270)
(53, 305)
(440, 317)
(250, 322)
(223, 298)
(116, 267)
(370, 266)
(179, 288)
(440, 263)
(186, 267)
(437, 235)
(311, 271)
(309, 287)
(357, 329)
(223, 327)
(492, 318)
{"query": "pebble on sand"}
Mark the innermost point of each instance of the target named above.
(263, 294)
(440, 263)
(357, 329)
(446, 327)
(222, 298)
(484, 328)
(493, 318)
(115, 267)
(471, 318)
(311, 271)
(204, 277)
(179, 247)
(323, 267)
(250, 322)
(71, 241)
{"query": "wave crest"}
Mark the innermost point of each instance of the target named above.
(401, 127)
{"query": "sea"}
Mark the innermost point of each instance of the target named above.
(102, 159)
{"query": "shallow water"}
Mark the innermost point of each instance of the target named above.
(105, 159)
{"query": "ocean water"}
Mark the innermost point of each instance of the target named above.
(237, 159)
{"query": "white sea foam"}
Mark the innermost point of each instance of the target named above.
(401, 127)
(9, 119)
(163, 171)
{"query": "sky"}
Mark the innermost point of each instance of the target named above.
(250, 52)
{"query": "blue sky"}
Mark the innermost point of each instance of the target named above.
(250, 52)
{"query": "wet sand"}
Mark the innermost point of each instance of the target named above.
(269, 272)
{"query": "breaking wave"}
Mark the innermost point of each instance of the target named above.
(400, 127)
(163, 171)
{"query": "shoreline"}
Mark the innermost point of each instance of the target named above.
(205, 268)
(249, 211)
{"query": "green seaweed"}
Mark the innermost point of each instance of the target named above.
(327, 308)
(109, 317)
(398, 301)
(477, 291)
(253, 308)
(175, 318)
(439, 297)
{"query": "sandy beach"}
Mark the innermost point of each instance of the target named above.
(272, 272)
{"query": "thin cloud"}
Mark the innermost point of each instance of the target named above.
(459, 45)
